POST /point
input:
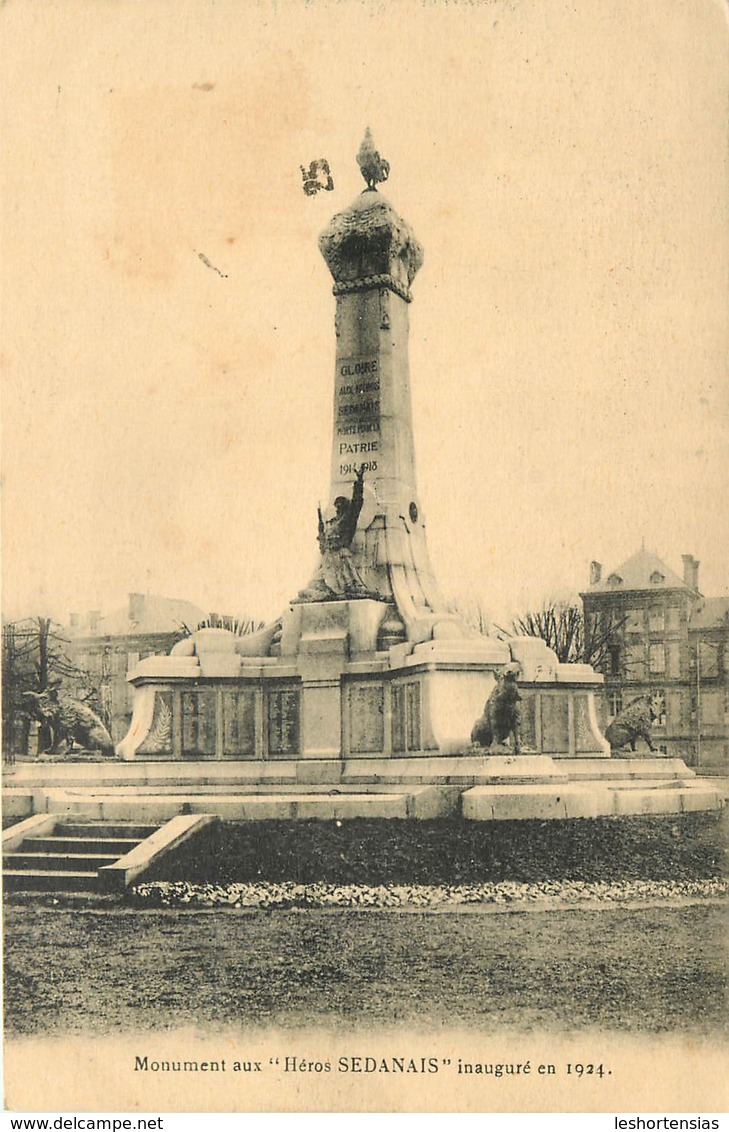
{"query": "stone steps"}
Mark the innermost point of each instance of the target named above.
(69, 858)
(126, 831)
(84, 845)
(51, 853)
(63, 862)
(49, 880)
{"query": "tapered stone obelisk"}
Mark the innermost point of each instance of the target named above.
(373, 256)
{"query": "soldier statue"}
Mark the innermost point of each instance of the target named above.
(338, 576)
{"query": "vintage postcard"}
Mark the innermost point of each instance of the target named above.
(365, 555)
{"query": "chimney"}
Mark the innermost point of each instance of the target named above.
(136, 607)
(595, 572)
(691, 571)
(94, 618)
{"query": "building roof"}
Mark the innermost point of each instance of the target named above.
(148, 614)
(711, 613)
(643, 571)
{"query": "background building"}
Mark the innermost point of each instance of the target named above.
(667, 640)
(108, 647)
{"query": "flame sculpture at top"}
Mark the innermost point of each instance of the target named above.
(374, 168)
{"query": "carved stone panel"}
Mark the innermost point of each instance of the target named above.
(366, 718)
(198, 722)
(413, 729)
(406, 712)
(528, 721)
(239, 723)
(555, 717)
(283, 721)
(398, 718)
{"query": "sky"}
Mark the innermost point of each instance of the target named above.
(168, 339)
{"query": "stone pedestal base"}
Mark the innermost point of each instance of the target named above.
(333, 694)
(528, 787)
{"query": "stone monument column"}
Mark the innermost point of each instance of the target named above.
(373, 256)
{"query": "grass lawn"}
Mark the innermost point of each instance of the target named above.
(107, 968)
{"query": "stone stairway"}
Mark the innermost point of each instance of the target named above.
(68, 858)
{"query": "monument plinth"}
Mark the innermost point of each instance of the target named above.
(368, 660)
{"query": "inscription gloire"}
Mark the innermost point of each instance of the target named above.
(354, 369)
(358, 409)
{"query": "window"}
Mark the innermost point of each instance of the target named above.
(709, 659)
(712, 707)
(634, 621)
(673, 656)
(615, 580)
(657, 577)
(615, 659)
(634, 662)
(673, 618)
(615, 700)
(657, 658)
(656, 619)
(674, 710)
(658, 707)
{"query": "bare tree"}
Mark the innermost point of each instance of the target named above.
(573, 638)
(473, 612)
(34, 659)
(603, 647)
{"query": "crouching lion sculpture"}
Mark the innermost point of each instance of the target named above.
(69, 720)
(633, 723)
(501, 715)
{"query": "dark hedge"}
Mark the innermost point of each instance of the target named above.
(452, 851)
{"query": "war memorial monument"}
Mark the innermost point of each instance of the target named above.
(360, 700)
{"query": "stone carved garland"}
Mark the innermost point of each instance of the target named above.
(369, 283)
(374, 236)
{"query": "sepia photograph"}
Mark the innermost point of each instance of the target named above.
(365, 556)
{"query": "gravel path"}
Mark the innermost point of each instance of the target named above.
(319, 895)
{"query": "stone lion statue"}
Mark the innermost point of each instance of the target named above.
(633, 723)
(69, 720)
(501, 714)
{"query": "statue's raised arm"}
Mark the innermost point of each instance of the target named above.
(355, 507)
